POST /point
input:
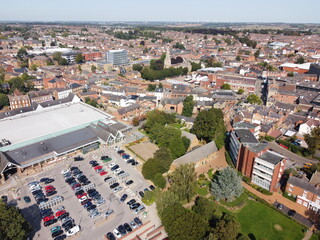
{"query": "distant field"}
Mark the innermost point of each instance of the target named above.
(267, 224)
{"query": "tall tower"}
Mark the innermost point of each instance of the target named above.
(167, 60)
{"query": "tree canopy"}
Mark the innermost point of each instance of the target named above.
(254, 99)
(313, 139)
(206, 208)
(4, 100)
(188, 105)
(12, 224)
(183, 181)
(226, 86)
(226, 185)
(79, 58)
(209, 125)
(226, 228)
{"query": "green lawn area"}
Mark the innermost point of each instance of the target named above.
(203, 191)
(262, 221)
(315, 237)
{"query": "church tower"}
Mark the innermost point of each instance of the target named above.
(167, 60)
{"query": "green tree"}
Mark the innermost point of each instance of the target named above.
(33, 67)
(79, 58)
(257, 53)
(62, 61)
(226, 86)
(195, 66)
(4, 100)
(135, 121)
(254, 99)
(93, 68)
(22, 53)
(226, 185)
(151, 196)
(159, 181)
(165, 200)
(137, 67)
(227, 228)
(206, 208)
(160, 86)
(240, 91)
(209, 125)
(152, 87)
(179, 46)
(238, 58)
(300, 60)
(186, 142)
(152, 167)
(188, 105)
(313, 139)
(183, 181)
(56, 56)
(12, 224)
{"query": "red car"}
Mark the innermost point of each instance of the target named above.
(85, 201)
(48, 187)
(75, 186)
(97, 167)
(60, 213)
(284, 146)
(46, 219)
(103, 173)
(82, 195)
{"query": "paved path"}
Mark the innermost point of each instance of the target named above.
(308, 234)
(289, 154)
(276, 197)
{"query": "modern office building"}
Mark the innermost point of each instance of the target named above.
(117, 57)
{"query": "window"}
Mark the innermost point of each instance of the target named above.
(299, 201)
(290, 189)
(305, 204)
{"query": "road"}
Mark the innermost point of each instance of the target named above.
(289, 154)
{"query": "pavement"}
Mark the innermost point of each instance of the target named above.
(299, 159)
(90, 228)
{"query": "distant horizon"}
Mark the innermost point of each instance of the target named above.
(208, 11)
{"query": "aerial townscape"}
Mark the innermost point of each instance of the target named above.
(159, 121)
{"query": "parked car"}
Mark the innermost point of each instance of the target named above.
(73, 231)
(94, 214)
(110, 236)
(152, 187)
(56, 228)
(114, 185)
(133, 225)
(141, 194)
(117, 233)
(280, 206)
(78, 158)
(132, 201)
(103, 173)
(127, 227)
(110, 212)
(27, 199)
(129, 182)
(124, 197)
(291, 213)
(49, 222)
(59, 213)
(137, 221)
(117, 189)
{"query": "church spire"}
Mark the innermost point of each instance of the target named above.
(167, 60)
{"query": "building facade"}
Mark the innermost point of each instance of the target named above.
(117, 57)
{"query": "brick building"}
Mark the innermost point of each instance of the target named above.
(18, 100)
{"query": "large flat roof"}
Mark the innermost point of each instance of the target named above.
(45, 123)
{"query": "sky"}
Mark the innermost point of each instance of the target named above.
(290, 11)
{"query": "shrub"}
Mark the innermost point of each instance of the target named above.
(159, 181)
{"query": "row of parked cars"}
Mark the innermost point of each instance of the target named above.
(90, 199)
(127, 157)
(39, 194)
(124, 229)
(67, 223)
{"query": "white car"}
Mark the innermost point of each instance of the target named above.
(133, 225)
(112, 165)
(34, 188)
(110, 212)
(33, 183)
(117, 171)
(94, 214)
(117, 148)
(65, 171)
(117, 233)
(59, 209)
(83, 198)
(117, 189)
(73, 231)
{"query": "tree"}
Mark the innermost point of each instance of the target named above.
(257, 53)
(4, 100)
(195, 66)
(227, 228)
(313, 139)
(179, 46)
(151, 167)
(226, 86)
(33, 67)
(56, 56)
(186, 142)
(226, 185)
(137, 67)
(79, 58)
(183, 181)
(152, 87)
(159, 181)
(93, 68)
(206, 208)
(209, 125)
(12, 223)
(22, 53)
(135, 121)
(300, 60)
(240, 91)
(160, 86)
(188, 105)
(254, 99)
(290, 74)
(165, 200)
(238, 58)
(151, 196)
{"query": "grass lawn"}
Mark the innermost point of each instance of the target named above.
(202, 191)
(315, 237)
(267, 224)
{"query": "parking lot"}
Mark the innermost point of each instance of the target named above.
(90, 228)
(298, 217)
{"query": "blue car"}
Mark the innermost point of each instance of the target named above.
(87, 205)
